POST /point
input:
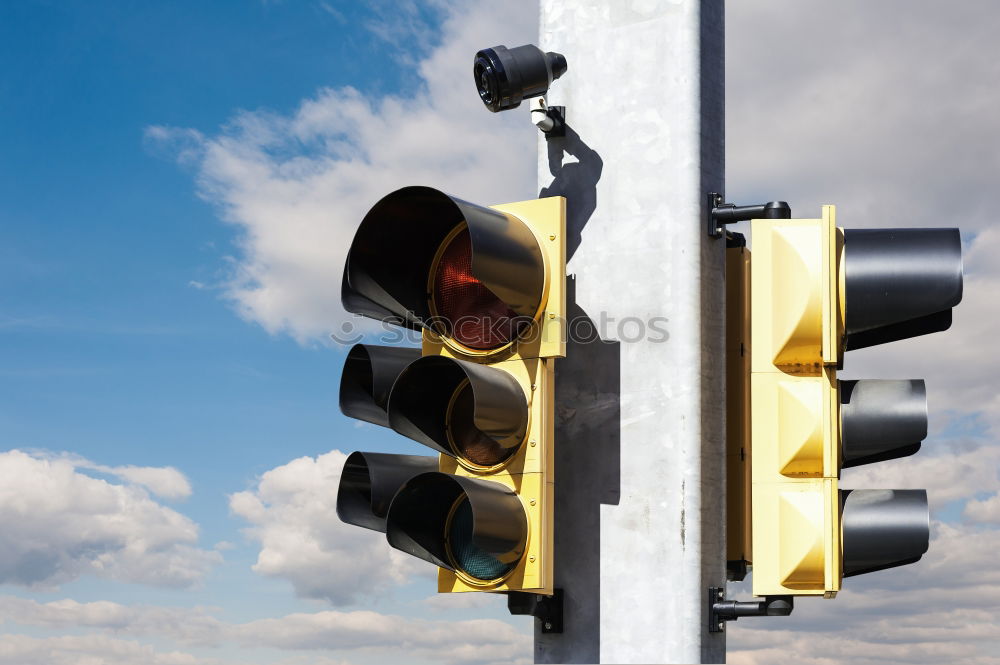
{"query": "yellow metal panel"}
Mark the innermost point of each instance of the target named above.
(800, 436)
(531, 475)
(793, 426)
(795, 291)
(546, 338)
(738, 405)
(796, 549)
(796, 303)
(834, 548)
(830, 286)
(801, 537)
(841, 299)
(796, 323)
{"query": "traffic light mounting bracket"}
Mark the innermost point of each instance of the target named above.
(721, 610)
(719, 213)
(547, 609)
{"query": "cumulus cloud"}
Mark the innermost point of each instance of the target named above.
(293, 514)
(984, 510)
(471, 641)
(896, 125)
(296, 186)
(446, 602)
(948, 473)
(915, 614)
(88, 650)
(163, 481)
(191, 626)
(59, 524)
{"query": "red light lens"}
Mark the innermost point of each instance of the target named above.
(472, 315)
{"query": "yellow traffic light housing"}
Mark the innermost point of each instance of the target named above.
(816, 291)
(486, 288)
(794, 408)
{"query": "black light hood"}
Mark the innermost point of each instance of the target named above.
(369, 481)
(883, 529)
(418, 517)
(881, 419)
(393, 252)
(369, 372)
(899, 283)
(418, 403)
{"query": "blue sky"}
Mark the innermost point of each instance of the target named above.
(178, 185)
(109, 351)
(120, 341)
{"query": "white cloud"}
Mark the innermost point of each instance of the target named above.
(297, 186)
(163, 481)
(293, 512)
(470, 641)
(446, 602)
(59, 524)
(985, 510)
(88, 650)
(942, 609)
(886, 108)
(191, 626)
(947, 475)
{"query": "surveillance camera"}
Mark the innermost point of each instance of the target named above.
(506, 76)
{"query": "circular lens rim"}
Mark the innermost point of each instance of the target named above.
(436, 315)
(488, 61)
(486, 82)
(464, 461)
(460, 572)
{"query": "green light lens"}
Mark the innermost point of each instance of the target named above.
(472, 560)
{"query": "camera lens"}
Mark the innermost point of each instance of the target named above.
(487, 87)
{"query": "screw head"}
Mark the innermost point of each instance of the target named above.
(548, 625)
(532, 443)
(532, 502)
(552, 237)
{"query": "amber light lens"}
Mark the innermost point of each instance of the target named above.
(467, 440)
(473, 316)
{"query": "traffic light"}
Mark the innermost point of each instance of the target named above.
(485, 287)
(816, 291)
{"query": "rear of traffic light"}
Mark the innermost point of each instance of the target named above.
(816, 291)
(485, 288)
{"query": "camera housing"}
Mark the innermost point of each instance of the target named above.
(506, 76)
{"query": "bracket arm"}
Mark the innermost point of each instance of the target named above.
(721, 610)
(547, 609)
(720, 213)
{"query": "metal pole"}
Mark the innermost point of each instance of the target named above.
(640, 417)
